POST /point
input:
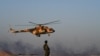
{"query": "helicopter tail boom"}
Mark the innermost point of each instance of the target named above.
(13, 31)
(18, 31)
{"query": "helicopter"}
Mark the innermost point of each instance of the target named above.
(38, 30)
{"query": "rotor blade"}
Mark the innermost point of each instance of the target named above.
(51, 22)
(33, 23)
(24, 25)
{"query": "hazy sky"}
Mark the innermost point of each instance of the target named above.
(79, 21)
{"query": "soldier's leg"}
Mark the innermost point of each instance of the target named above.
(48, 53)
(45, 53)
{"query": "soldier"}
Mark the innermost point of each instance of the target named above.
(46, 48)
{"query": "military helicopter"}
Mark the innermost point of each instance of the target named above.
(37, 30)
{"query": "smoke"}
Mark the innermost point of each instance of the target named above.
(4, 46)
(16, 47)
(60, 49)
(20, 47)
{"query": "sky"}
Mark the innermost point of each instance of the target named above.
(79, 25)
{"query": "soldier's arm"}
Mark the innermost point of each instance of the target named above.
(44, 47)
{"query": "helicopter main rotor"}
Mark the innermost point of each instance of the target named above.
(53, 22)
(34, 24)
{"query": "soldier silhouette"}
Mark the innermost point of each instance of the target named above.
(46, 48)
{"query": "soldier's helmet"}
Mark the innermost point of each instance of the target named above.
(46, 41)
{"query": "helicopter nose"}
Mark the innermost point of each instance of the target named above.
(53, 30)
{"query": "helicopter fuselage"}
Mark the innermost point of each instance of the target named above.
(38, 30)
(42, 30)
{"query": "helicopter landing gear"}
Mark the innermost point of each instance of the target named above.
(48, 34)
(38, 35)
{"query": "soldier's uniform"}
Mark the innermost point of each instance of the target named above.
(46, 49)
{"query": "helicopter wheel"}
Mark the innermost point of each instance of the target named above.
(38, 35)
